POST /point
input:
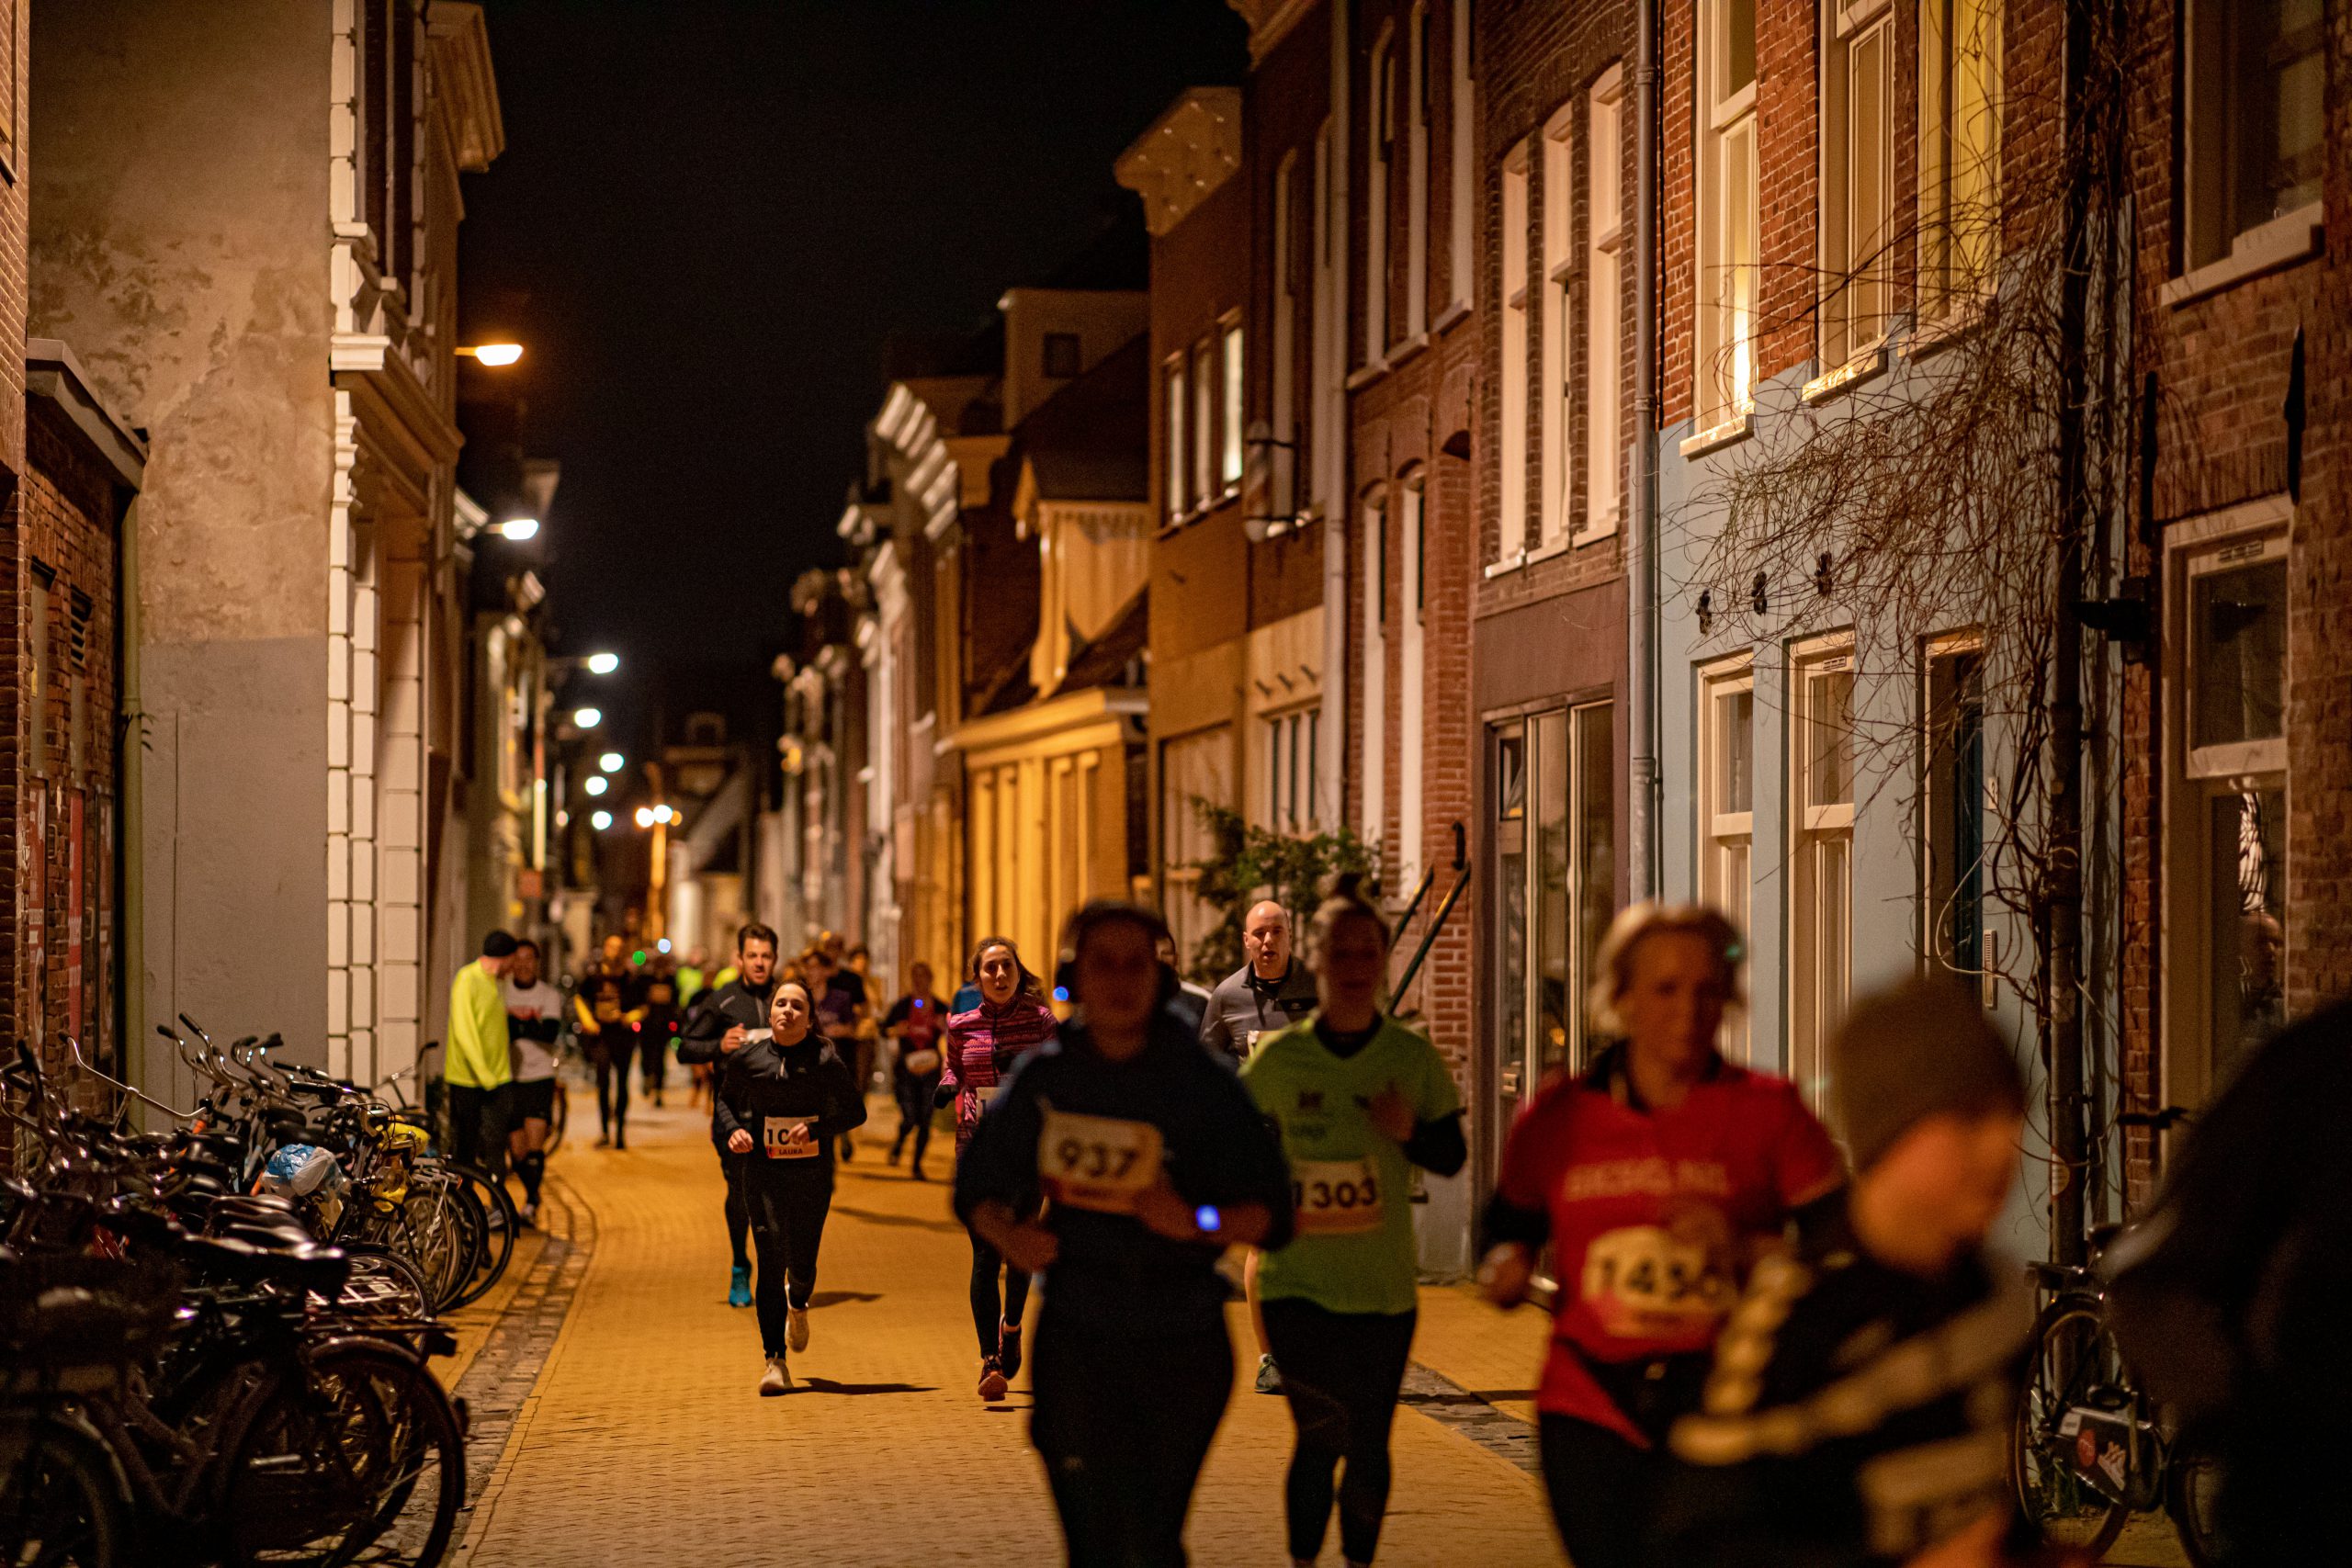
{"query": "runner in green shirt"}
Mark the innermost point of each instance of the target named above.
(1360, 1099)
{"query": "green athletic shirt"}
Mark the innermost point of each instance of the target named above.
(1317, 1100)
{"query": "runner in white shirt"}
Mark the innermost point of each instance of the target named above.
(534, 1023)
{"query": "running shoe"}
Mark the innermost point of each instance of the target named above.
(919, 1176)
(1008, 1347)
(992, 1383)
(620, 1141)
(739, 1286)
(1269, 1379)
(530, 1217)
(777, 1379)
(795, 1329)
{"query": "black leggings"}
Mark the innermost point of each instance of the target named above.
(1604, 1491)
(1122, 1423)
(988, 1308)
(914, 1097)
(788, 1200)
(653, 1052)
(612, 1090)
(1342, 1372)
(738, 1209)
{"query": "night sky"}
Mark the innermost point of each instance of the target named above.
(709, 217)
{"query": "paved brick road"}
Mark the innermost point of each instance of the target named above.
(643, 1441)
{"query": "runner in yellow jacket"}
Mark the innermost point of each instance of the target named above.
(477, 1062)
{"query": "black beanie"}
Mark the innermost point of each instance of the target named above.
(499, 944)
(1906, 1054)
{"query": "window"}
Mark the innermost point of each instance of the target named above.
(1728, 804)
(1417, 175)
(1727, 201)
(1283, 396)
(1513, 379)
(1411, 546)
(1229, 469)
(1176, 454)
(1858, 174)
(1959, 150)
(1061, 356)
(1294, 768)
(1192, 768)
(1204, 383)
(1821, 822)
(2256, 119)
(1555, 837)
(1374, 591)
(1951, 806)
(1556, 323)
(1605, 303)
(1380, 127)
(1461, 199)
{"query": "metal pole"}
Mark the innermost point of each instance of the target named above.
(1640, 544)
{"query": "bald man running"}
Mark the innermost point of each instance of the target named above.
(1270, 990)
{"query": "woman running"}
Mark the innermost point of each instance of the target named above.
(1659, 1175)
(1359, 1100)
(1010, 1021)
(1152, 1160)
(916, 1022)
(783, 1097)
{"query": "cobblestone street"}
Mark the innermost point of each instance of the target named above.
(642, 1441)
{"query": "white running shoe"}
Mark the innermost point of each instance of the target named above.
(795, 1329)
(776, 1380)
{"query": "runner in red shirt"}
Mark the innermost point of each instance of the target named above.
(1659, 1177)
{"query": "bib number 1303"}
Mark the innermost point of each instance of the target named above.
(1337, 1197)
(1097, 1162)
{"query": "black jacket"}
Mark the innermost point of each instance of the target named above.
(718, 1011)
(763, 1080)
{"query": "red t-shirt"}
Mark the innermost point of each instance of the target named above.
(1655, 1215)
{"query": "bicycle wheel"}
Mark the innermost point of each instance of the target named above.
(2193, 1491)
(499, 1220)
(61, 1503)
(2075, 1362)
(354, 1457)
(383, 1281)
(436, 1238)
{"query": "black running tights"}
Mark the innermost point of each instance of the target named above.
(988, 1306)
(1342, 1372)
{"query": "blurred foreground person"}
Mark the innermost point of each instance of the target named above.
(1153, 1158)
(1860, 1406)
(2229, 1297)
(1659, 1176)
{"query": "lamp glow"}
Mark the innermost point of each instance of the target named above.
(597, 783)
(519, 528)
(603, 663)
(663, 814)
(601, 820)
(587, 718)
(494, 355)
(645, 817)
(610, 762)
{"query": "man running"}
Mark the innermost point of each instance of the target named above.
(534, 1020)
(915, 1023)
(609, 1012)
(664, 1012)
(719, 1026)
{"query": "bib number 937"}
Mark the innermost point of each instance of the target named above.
(1097, 1162)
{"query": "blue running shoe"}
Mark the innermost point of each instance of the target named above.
(739, 1288)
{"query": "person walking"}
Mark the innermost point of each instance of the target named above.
(477, 1062)
(1658, 1176)
(1859, 1409)
(609, 1010)
(1148, 1158)
(917, 1023)
(1270, 991)
(783, 1096)
(534, 1023)
(719, 1027)
(663, 1014)
(1359, 1100)
(1010, 1021)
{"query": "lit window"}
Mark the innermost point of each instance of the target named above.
(2257, 124)
(1513, 377)
(1557, 323)
(1205, 385)
(1858, 174)
(1821, 823)
(1727, 806)
(1605, 303)
(1959, 150)
(1230, 471)
(1727, 273)
(1176, 454)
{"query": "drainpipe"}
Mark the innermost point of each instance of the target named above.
(1333, 456)
(1640, 544)
(131, 815)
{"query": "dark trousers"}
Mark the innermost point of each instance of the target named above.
(1122, 1423)
(612, 1090)
(478, 1127)
(1342, 1372)
(788, 1200)
(987, 1307)
(1604, 1491)
(653, 1051)
(914, 1097)
(738, 1209)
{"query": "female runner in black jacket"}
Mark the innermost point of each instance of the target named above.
(782, 1099)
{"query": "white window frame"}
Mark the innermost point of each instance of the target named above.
(1204, 388)
(1728, 838)
(1726, 303)
(1821, 970)
(1177, 394)
(1461, 200)
(1416, 172)
(1934, 802)
(1375, 661)
(1604, 485)
(1380, 135)
(1857, 226)
(1556, 319)
(1293, 740)
(1512, 379)
(1412, 541)
(2206, 184)
(1959, 153)
(1236, 377)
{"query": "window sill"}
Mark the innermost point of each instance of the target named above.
(1863, 367)
(1514, 561)
(1738, 427)
(1457, 311)
(1592, 534)
(1934, 335)
(2297, 236)
(1411, 348)
(1361, 378)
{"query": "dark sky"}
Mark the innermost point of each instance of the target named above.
(709, 216)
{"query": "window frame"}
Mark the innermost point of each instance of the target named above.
(1604, 363)
(1726, 121)
(1557, 321)
(1856, 300)
(1380, 135)
(1234, 370)
(1721, 828)
(1512, 380)
(1175, 417)
(1203, 455)
(2208, 192)
(1959, 153)
(1462, 134)
(1416, 172)
(1939, 784)
(1812, 972)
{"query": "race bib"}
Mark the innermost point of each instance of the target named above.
(1641, 1281)
(985, 1093)
(1097, 1162)
(923, 1064)
(607, 1011)
(779, 1138)
(1336, 1197)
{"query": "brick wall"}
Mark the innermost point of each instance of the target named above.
(19, 856)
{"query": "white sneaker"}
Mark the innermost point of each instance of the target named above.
(776, 1380)
(795, 1329)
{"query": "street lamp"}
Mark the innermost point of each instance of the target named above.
(601, 820)
(587, 718)
(517, 528)
(645, 817)
(603, 663)
(663, 814)
(610, 762)
(495, 355)
(597, 783)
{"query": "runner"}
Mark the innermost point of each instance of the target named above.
(660, 996)
(915, 1022)
(1658, 1176)
(1153, 1158)
(1011, 1020)
(608, 1007)
(719, 1027)
(841, 1012)
(783, 1097)
(534, 1022)
(1359, 1100)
